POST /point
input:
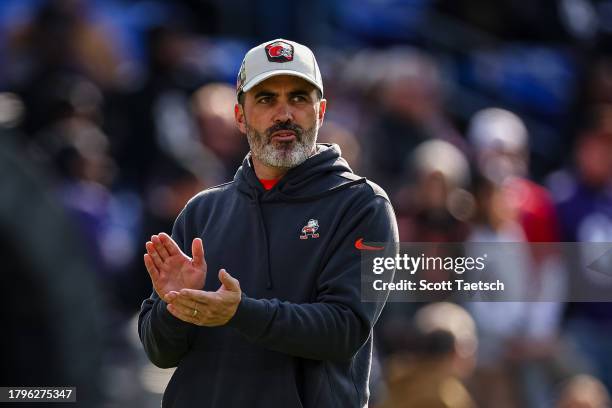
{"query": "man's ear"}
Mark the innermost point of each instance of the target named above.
(322, 107)
(239, 116)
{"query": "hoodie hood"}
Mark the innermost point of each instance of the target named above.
(308, 181)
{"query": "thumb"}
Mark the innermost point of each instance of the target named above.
(229, 281)
(197, 251)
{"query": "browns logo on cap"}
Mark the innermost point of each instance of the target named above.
(279, 51)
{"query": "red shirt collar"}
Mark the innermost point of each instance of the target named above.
(268, 184)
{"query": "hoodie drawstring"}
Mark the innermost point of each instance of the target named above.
(266, 240)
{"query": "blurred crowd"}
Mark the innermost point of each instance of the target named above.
(484, 121)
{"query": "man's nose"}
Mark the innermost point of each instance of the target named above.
(284, 113)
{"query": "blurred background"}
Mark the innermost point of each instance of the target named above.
(483, 120)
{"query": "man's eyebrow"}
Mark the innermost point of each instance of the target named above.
(264, 93)
(299, 92)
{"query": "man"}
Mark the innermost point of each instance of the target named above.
(430, 357)
(282, 323)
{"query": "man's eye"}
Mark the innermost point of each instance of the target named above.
(299, 98)
(264, 100)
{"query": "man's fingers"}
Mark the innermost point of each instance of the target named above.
(151, 268)
(229, 281)
(170, 296)
(169, 244)
(154, 255)
(161, 249)
(197, 251)
(154, 273)
(177, 299)
(182, 310)
(187, 310)
(200, 296)
(202, 318)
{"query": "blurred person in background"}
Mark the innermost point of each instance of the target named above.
(501, 147)
(502, 326)
(514, 209)
(430, 359)
(107, 217)
(435, 206)
(583, 194)
(583, 391)
(407, 110)
(77, 154)
(59, 337)
(335, 133)
(212, 107)
(61, 39)
(162, 129)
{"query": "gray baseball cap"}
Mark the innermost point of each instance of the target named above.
(277, 57)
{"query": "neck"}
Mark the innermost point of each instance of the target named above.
(265, 172)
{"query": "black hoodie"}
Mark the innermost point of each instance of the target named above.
(301, 336)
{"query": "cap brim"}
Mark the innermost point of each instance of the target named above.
(265, 75)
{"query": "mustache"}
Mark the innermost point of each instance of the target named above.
(285, 126)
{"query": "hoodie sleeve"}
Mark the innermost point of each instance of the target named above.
(164, 337)
(338, 323)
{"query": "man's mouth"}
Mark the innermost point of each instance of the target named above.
(283, 136)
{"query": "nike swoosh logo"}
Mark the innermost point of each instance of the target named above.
(361, 246)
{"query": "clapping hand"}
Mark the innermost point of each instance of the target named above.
(207, 308)
(177, 279)
(170, 269)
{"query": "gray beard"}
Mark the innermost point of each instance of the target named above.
(285, 155)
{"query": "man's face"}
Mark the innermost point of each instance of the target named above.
(281, 117)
